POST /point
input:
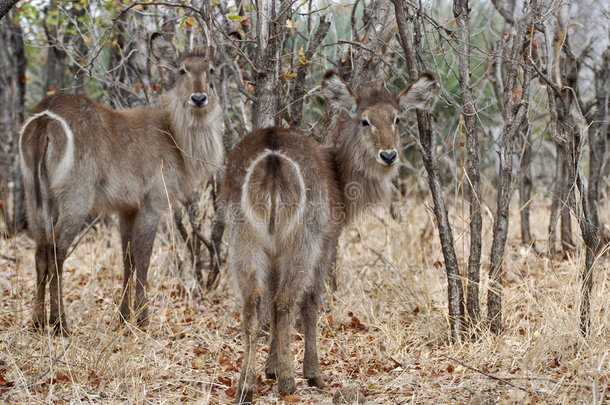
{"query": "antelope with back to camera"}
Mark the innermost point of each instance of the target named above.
(78, 157)
(285, 200)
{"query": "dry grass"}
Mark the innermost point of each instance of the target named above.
(383, 334)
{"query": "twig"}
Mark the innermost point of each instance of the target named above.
(490, 376)
(203, 239)
(83, 234)
(13, 259)
(126, 9)
(544, 77)
(55, 360)
(367, 49)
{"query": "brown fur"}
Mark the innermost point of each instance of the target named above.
(79, 157)
(285, 200)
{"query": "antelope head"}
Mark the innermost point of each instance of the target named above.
(191, 72)
(375, 114)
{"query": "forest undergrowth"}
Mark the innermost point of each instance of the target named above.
(382, 337)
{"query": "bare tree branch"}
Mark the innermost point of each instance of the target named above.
(455, 293)
(469, 117)
(506, 8)
(515, 113)
(299, 85)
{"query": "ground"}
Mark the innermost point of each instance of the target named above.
(383, 336)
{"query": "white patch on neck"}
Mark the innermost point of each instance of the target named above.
(198, 135)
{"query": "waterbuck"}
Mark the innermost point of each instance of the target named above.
(79, 157)
(285, 199)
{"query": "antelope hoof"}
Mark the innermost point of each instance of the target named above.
(286, 386)
(213, 279)
(37, 325)
(143, 320)
(59, 324)
(271, 370)
(124, 314)
(123, 318)
(316, 381)
(244, 396)
(270, 374)
(61, 329)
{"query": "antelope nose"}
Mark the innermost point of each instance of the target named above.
(199, 99)
(388, 156)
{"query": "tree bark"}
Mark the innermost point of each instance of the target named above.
(515, 114)
(56, 69)
(455, 293)
(597, 119)
(555, 204)
(567, 192)
(296, 104)
(506, 8)
(525, 186)
(5, 6)
(591, 239)
(365, 62)
(567, 137)
(271, 35)
(460, 12)
(56, 61)
(12, 96)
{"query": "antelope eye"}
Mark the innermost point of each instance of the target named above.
(365, 122)
(396, 120)
(182, 70)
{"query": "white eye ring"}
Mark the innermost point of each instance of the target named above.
(365, 122)
(396, 120)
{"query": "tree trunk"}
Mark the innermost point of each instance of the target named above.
(56, 61)
(365, 63)
(525, 186)
(460, 12)
(591, 239)
(271, 35)
(5, 6)
(568, 139)
(515, 113)
(455, 292)
(567, 193)
(12, 95)
(80, 56)
(296, 104)
(598, 144)
(555, 204)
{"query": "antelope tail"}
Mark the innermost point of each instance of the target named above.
(45, 158)
(273, 195)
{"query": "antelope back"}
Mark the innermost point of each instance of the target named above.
(83, 154)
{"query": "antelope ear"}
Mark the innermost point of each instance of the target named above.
(338, 93)
(210, 54)
(418, 94)
(162, 50)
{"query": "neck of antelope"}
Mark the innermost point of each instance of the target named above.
(365, 185)
(197, 133)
